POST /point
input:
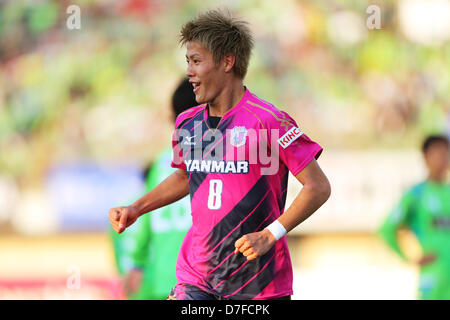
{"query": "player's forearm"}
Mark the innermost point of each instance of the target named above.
(173, 188)
(389, 233)
(310, 198)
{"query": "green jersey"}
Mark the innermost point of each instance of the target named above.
(425, 210)
(153, 241)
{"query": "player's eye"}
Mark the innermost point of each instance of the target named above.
(195, 61)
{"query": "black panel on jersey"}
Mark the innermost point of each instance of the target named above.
(213, 121)
(183, 122)
(258, 283)
(198, 116)
(282, 200)
(197, 178)
(240, 211)
(195, 181)
(224, 227)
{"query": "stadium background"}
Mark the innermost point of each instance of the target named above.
(83, 110)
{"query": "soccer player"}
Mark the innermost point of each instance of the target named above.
(146, 255)
(233, 152)
(425, 210)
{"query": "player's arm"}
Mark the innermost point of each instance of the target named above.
(396, 220)
(139, 255)
(316, 190)
(172, 189)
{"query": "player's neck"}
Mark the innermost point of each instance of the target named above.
(227, 99)
(436, 177)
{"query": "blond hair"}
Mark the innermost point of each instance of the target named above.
(221, 34)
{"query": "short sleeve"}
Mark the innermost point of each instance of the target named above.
(295, 148)
(177, 152)
(396, 219)
(403, 211)
(178, 133)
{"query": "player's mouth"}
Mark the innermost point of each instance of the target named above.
(196, 86)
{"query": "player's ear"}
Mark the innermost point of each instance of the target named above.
(228, 62)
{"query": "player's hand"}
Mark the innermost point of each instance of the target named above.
(122, 217)
(426, 259)
(132, 282)
(256, 244)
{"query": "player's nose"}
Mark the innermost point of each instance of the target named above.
(189, 71)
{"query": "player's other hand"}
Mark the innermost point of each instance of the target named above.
(132, 282)
(122, 217)
(256, 244)
(427, 259)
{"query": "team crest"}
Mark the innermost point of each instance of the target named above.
(238, 136)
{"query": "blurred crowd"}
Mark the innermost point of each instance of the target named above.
(98, 94)
(84, 110)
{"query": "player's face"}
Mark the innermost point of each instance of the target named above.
(206, 77)
(437, 157)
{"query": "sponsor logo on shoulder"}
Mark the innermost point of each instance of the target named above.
(289, 137)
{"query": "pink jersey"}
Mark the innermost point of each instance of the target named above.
(238, 175)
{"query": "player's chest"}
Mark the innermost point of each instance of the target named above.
(435, 208)
(235, 141)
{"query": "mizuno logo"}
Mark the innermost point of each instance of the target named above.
(189, 141)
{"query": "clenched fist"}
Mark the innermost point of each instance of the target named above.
(254, 245)
(122, 217)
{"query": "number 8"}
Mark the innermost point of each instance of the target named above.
(215, 194)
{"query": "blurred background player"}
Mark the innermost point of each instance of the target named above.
(425, 210)
(146, 255)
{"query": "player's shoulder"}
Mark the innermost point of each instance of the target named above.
(262, 108)
(189, 113)
(418, 188)
(268, 113)
(415, 191)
